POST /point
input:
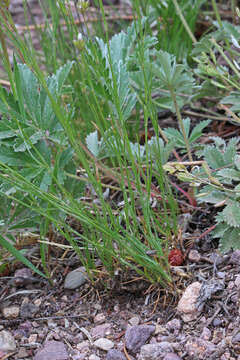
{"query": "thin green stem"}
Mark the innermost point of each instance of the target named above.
(180, 121)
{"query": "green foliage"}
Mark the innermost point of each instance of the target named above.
(172, 35)
(154, 149)
(176, 136)
(222, 189)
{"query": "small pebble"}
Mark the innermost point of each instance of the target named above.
(75, 278)
(94, 357)
(134, 321)
(104, 344)
(114, 354)
(194, 256)
(237, 281)
(217, 322)
(171, 356)
(11, 312)
(99, 318)
(235, 258)
(206, 334)
(236, 338)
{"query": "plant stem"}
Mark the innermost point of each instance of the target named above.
(185, 24)
(180, 121)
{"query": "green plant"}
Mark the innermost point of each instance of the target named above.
(176, 23)
(38, 125)
(219, 175)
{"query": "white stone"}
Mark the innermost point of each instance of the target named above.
(94, 357)
(7, 341)
(104, 344)
(134, 321)
(187, 304)
(11, 312)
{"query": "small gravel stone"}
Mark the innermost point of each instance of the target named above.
(221, 274)
(187, 303)
(75, 278)
(235, 258)
(237, 281)
(22, 353)
(7, 342)
(194, 256)
(99, 318)
(206, 334)
(171, 356)
(200, 349)
(52, 350)
(217, 322)
(104, 344)
(100, 331)
(28, 310)
(11, 312)
(21, 276)
(94, 357)
(236, 338)
(174, 326)
(83, 346)
(134, 321)
(114, 354)
(136, 336)
(155, 351)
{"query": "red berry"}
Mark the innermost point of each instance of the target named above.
(175, 257)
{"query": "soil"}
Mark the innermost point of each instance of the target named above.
(34, 311)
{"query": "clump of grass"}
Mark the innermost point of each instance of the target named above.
(40, 119)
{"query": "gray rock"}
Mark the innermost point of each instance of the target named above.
(217, 322)
(206, 333)
(28, 310)
(7, 341)
(21, 276)
(236, 338)
(136, 336)
(75, 278)
(155, 351)
(174, 326)
(52, 350)
(235, 258)
(171, 356)
(134, 321)
(114, 354)
(104, 344)
(100, 331)
(201, 349)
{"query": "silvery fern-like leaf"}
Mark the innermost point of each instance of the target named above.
(93, 144)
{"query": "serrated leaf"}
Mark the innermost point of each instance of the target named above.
(197, 130)
(231, 214)
(230, 240)
(213, 157)
(30, 138)
(11, 158)
(229, 175)
(219, 230)
(174, 134)
(230, 151)
(210, 195)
